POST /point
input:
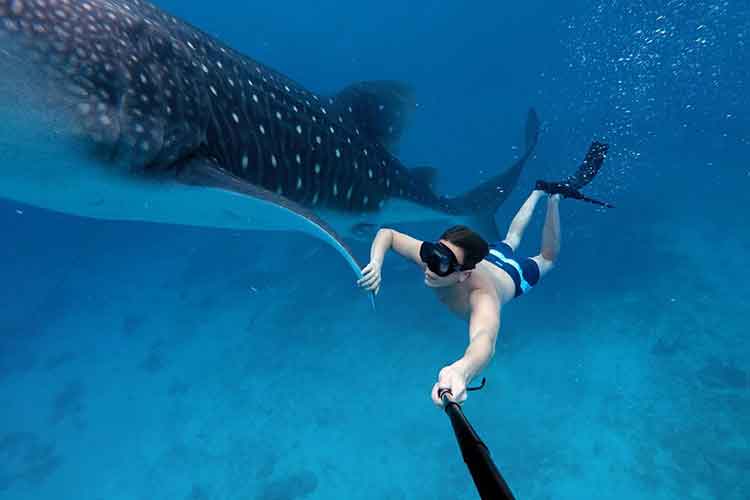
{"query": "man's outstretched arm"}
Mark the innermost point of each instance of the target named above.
(484, 325)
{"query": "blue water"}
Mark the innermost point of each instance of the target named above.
(156, 362)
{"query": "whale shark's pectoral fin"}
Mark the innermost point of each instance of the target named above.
(258, 208)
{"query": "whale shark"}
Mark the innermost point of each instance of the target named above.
(115, 109)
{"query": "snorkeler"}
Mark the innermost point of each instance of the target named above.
(475, 279)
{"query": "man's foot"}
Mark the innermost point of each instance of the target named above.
(561, 188)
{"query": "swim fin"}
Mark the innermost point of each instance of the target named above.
(570, 187)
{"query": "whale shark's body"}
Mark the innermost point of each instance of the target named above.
(173, 126)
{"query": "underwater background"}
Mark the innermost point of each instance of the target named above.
(141, 361)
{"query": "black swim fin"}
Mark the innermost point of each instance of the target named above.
(570, 187)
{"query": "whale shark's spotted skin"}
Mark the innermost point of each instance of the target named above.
(157, 91)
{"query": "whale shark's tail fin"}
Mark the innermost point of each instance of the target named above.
(482, 202)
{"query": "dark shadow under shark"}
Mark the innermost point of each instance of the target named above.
(173, 126)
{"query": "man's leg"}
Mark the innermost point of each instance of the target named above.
(550, 237)
(521, 219)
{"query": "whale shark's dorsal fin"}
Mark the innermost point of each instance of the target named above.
(378, 110)
(425, 174)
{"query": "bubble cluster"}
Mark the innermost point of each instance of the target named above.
(646, 64)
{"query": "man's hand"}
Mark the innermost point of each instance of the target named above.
(451, 378)
(371, 277)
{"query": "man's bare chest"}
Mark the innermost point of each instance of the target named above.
(457, 301)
